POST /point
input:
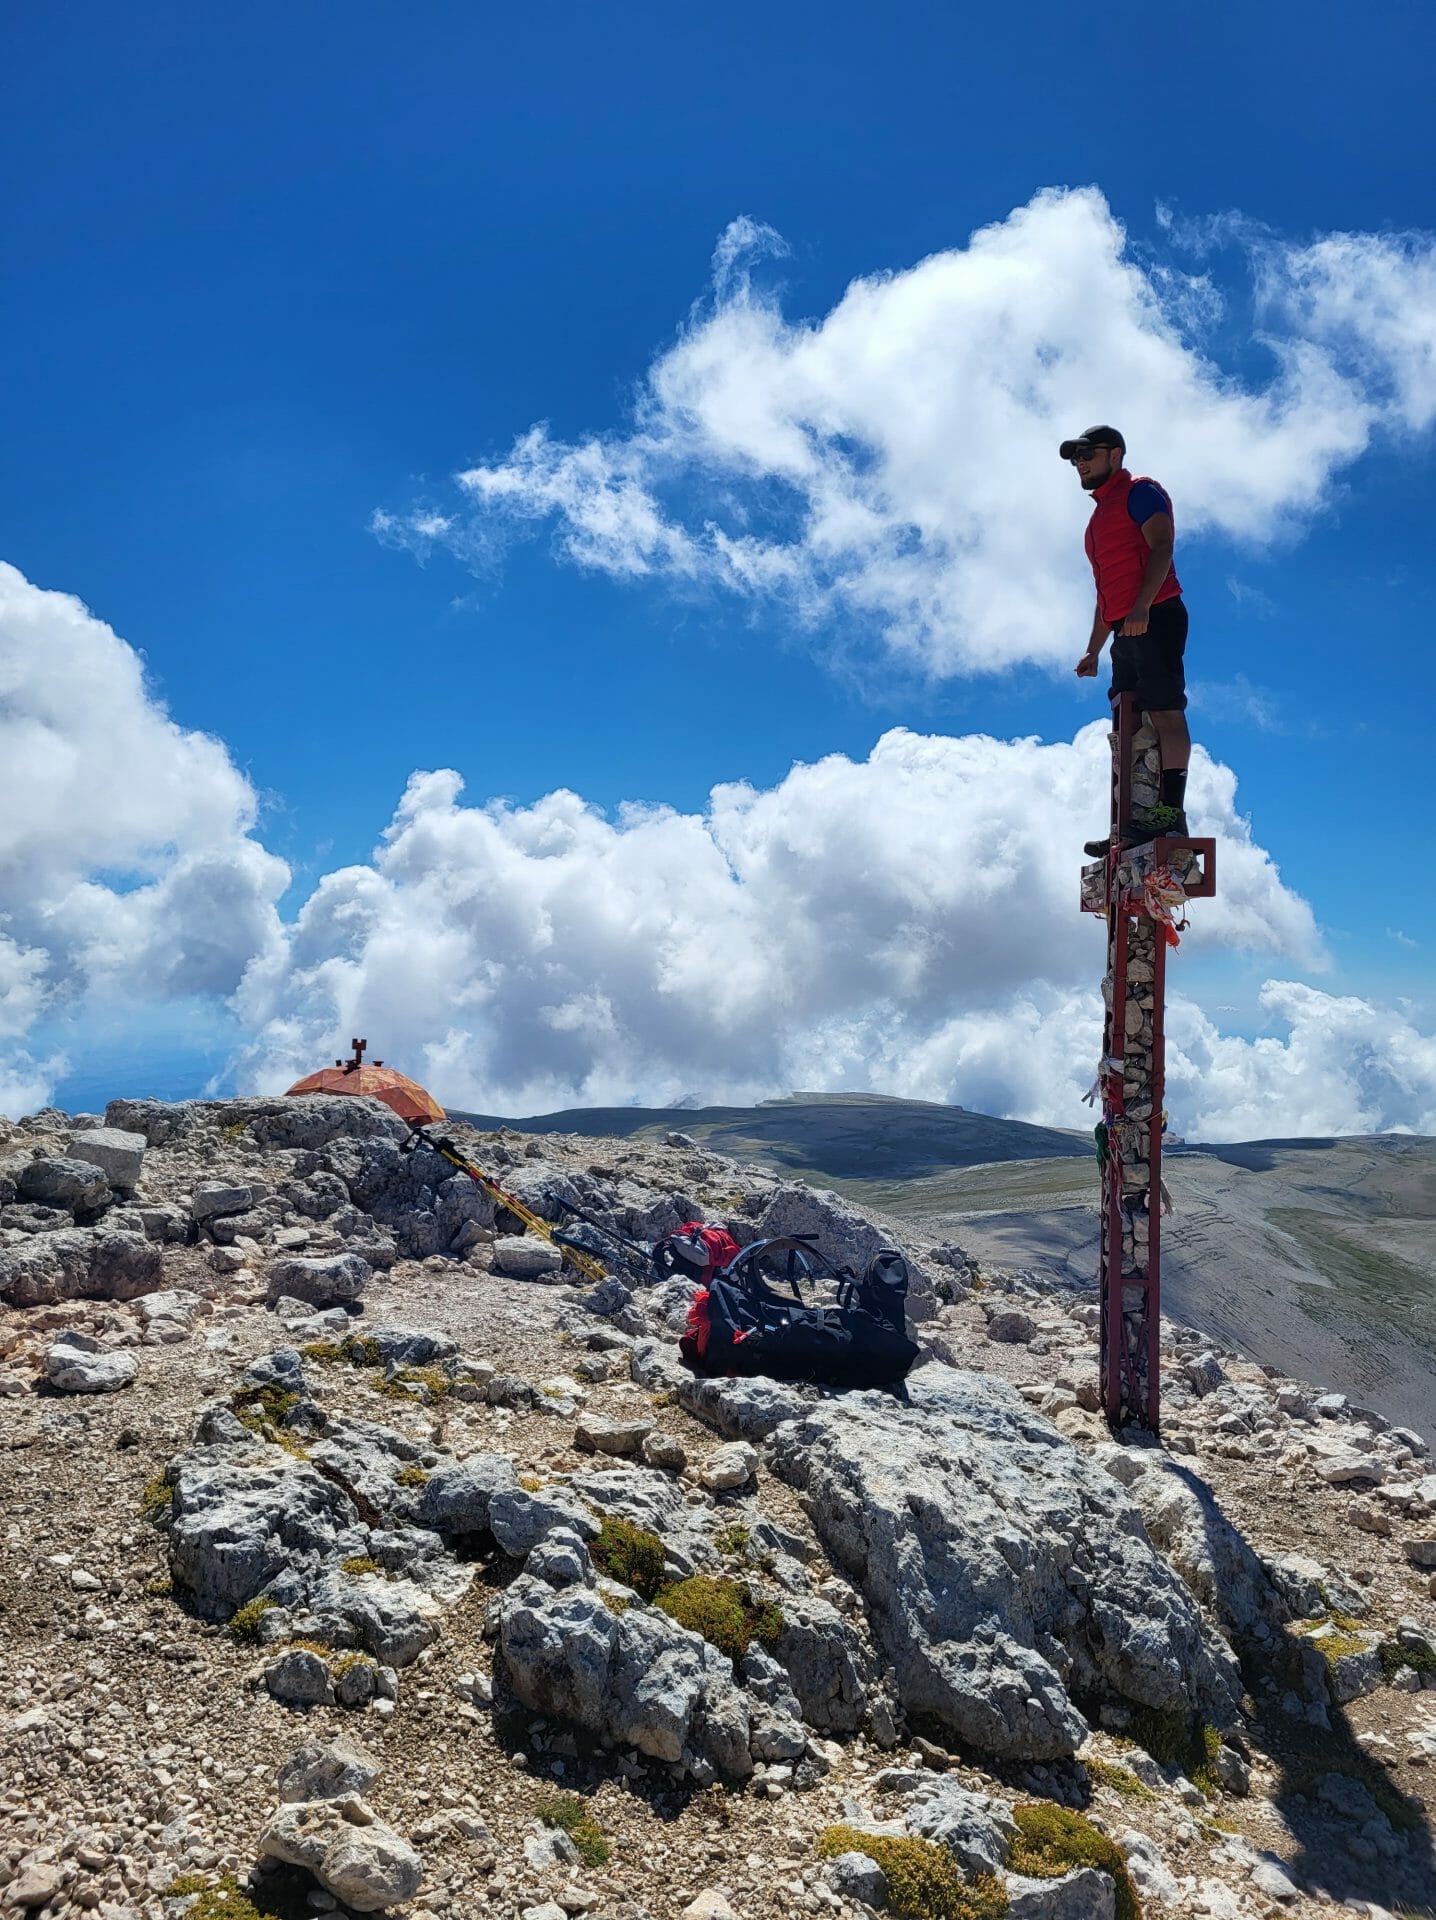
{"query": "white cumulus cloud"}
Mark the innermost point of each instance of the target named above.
(128, 866)
(907, 922)
(893, 463)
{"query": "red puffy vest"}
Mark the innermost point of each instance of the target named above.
(1118, 550)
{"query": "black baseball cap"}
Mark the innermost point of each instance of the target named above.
(1093, 437)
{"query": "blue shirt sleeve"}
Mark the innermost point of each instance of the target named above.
(1147, 498)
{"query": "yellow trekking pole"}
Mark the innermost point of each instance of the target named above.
(574, 1257)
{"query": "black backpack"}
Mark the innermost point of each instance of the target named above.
(741, 1324)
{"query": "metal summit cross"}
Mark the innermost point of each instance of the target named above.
(1142, 892)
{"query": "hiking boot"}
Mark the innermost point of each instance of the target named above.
(1160, 821)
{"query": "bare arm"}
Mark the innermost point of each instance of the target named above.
(1087, 665)
(1158, 534)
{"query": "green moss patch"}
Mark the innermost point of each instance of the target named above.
(1394, 1657)
(1120, 1779)
(360, 1563)
(355, 1350)
(1179, 1740)
(263, 1410)
(412, 1475)
(630, 1554)
(244, 1623)
(732, 1539)
(924, 1881)
(417, 1383)
(573, 1816)
(157, 1498)
(342, 1663)
(1052, 1840)
(723, 1611)
(268, 1402)
(224, 1901)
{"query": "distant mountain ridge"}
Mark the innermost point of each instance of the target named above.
(824, 1136)
(1314, 1255)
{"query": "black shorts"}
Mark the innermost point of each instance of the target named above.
(1151, 664)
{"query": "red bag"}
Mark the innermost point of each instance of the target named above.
(694, 1252)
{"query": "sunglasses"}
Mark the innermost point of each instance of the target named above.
(1084, 454)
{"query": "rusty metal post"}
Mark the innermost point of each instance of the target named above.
(1133, 888)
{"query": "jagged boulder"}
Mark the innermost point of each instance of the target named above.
(976, 1829)
(363, 1863)
(392, 1619)
(1004, 1572)
(310, 1120)
(77, 1363)
(327, 1770)
(78, 1263)
(238, 1524)
(408, 1346)
(455, 1500)
(634, 1679)
(527, 1257)
(63, 1181)
(827, 1663)
(329, 1282)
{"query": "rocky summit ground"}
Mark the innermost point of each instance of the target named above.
(356, 1559)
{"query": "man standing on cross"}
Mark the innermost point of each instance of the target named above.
(1139, 602)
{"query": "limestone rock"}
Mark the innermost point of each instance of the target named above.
(455, 1501)
(170, 1314)
(217, 1198)
(709, 1905)
(355, 1857)
(635, 1678)
(78, 1364)
(119, 1155)
(299, 1678)
(1268, 1878)
(843, 1236)
(1185, 1522)
(664, 1450)
(1011, 1326)
(526, 1257)
(237, 1525)
(975, 1828)
(729, 1468)
(328, 1282)
(35, 1885)
(856, 1876)
(78, 1263)
(519, 1520)
(409, 1346)
(74, 1184)
(826, 1662)
(1351, 1671)
(327, 1770)
(394, 1620)
(1083, 1894)
(747, 1409)
(596, 1434)
(1003, 1571)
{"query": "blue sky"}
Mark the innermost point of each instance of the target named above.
(274, 270)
